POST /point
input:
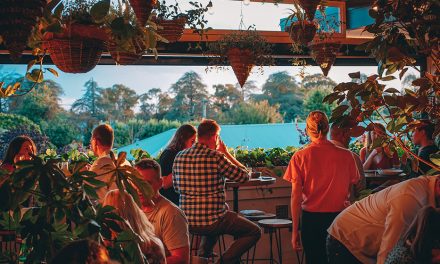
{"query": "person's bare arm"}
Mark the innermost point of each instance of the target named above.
(369, 160)
(179, 256)
(224, 149)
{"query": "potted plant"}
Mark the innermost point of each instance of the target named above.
(74, 35)
(324, 50)
(242, 50)
(128, 40)
(63, 210)
(171, 20)
(301, 31)
(17, 20)
(396, 44)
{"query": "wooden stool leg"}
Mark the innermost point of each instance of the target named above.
(270, 243)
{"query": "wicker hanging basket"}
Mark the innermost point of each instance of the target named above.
(324, 54)
(172, 30)
(302, 32)
(77, 49)
(142, 9)
(17, 20)
(123, 57)
(242, 62)
(309, 7)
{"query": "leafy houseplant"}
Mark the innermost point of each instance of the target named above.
(403, 30)
(74, 36)
(171, 20)
(63, 210)
(242, 50)
(128, 40)
(301, 31)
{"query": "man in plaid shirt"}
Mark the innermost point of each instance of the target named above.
(199, 175)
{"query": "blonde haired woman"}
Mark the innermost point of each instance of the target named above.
(126, 208)
(322, 176)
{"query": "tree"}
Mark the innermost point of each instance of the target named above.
(313, 101)
(247, 90)
(189, 93)
(43, 103)
(118, 102)
(88, 103)
(282, 89)
(12, 122)
(61, 131)
(226, 96)
(317, 81)
(254, 113)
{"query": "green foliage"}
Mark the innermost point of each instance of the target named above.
(61, 130)
(313, 101)
(12, 122)
(190, 95)
(254, 113)
(153, 127)
(260, 157)
(139, 154)
(282, 89)
(63, 210)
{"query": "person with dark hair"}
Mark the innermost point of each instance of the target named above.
(101, 144)
(19, 149)
(423, 137)
(368, 230)
(378, 157)
(170, 223)
(322, 176)
(199, 175)
(184, 138)
(82, 252)
(421, 243)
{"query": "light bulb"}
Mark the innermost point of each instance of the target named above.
(246, 2)
(210, 7)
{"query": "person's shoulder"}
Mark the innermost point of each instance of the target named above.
(169, 209)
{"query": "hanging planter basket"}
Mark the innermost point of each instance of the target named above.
(142, 9)
(242, 62)
(309, 7)
(17, 20)
(77, 49)
(172, 30)
(302, 32)
(324, 54)
(122, 57)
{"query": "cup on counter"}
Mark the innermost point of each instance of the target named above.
(255, 174)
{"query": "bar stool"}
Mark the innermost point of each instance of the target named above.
(195, 247)
(274, 226)
(255, 218)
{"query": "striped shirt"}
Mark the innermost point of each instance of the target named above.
(199, 175)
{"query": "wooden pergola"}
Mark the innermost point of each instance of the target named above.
(178, 53)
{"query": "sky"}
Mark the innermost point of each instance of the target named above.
(225, 15)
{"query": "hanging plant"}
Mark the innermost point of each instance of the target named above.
(142, 9)
(324, 53)
(17, 20)
(301, 31)
(128, 40)
(242, 50)
(171, 20)
(74, 35)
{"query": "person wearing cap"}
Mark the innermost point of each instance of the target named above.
(322, 176)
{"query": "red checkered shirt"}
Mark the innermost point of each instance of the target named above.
(199, 175)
